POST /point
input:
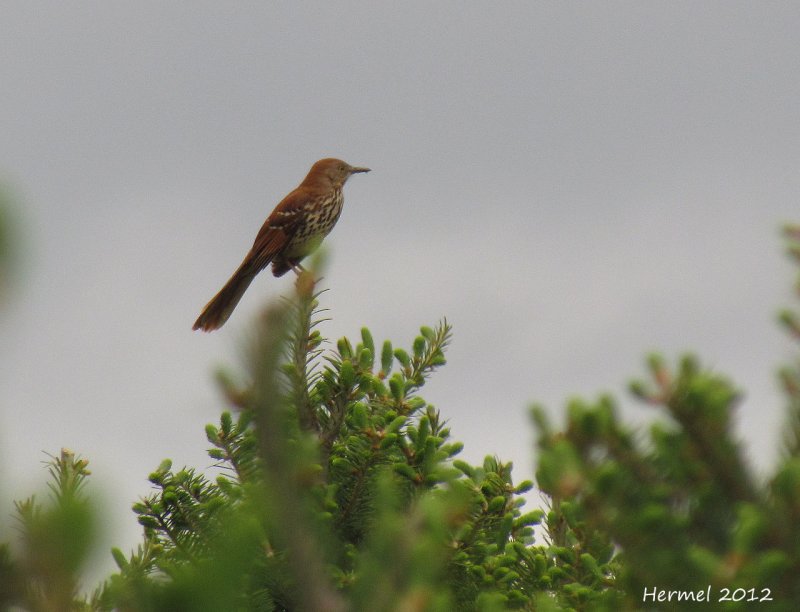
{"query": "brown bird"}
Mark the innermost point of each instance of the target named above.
(295, 229)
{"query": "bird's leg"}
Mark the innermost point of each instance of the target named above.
(296, 267)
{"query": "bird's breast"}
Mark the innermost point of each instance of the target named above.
(318, 218)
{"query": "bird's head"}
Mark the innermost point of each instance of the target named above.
(332, 171)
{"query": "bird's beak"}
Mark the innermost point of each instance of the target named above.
(353, 170)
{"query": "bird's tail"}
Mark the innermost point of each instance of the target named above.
(217, 311)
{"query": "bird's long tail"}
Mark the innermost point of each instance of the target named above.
(217, 311)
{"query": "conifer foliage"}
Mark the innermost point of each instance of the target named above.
(335, 487)
(337, 491)
(682, 504)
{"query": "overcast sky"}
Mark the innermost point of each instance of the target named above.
(572, 185)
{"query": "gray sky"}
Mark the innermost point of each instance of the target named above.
(572, 185)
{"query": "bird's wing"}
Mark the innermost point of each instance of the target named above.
(278, 229)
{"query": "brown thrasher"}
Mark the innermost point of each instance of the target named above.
(294, 229)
